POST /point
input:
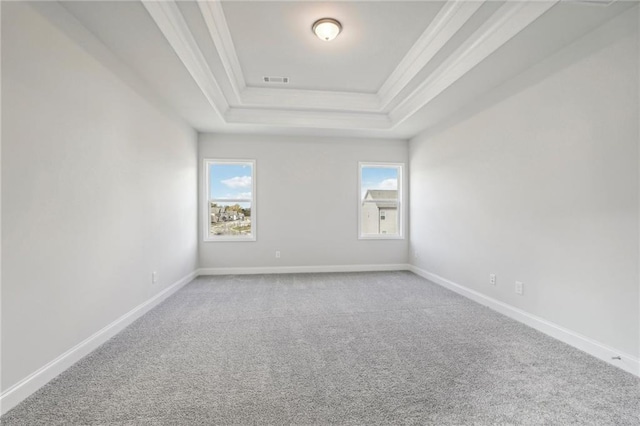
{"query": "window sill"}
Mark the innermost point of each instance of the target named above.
(380, 237)
(228, 239)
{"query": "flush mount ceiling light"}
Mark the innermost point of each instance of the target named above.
(326, 28)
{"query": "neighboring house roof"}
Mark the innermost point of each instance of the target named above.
(382, 194)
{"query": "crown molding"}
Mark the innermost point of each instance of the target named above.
(172, 24)
(452, 16)
(314, 119)
(216, 23)
(310, 99)
(502, 26)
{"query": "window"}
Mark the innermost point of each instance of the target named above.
(230, 208)
(379, 206)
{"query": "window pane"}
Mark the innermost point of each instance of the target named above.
(230, 181)
(379, 200)
(230, 219)
(230, 199)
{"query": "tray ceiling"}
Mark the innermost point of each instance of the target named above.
(393, 61)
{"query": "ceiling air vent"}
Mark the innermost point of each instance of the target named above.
(281, 80)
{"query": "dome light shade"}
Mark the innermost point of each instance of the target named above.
(326, 28)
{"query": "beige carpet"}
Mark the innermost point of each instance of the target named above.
(360, 348)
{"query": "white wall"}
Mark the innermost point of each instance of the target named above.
(99, 188)
(307, 201)
(542, 187)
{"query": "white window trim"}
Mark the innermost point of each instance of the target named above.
(400, 215)
(206, 212)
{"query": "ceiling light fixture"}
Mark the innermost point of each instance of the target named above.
(326, 28)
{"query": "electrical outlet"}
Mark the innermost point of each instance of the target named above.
(154, 277)
(277, 254)
(519, 287)
(492, 279)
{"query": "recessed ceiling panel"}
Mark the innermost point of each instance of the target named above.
(275, 39)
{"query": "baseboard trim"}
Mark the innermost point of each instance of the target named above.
(599, 350)
(302, 269)
(30, 384)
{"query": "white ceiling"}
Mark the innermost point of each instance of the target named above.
(205, 60)
(275, 38)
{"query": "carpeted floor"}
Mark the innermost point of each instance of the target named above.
(358, 348)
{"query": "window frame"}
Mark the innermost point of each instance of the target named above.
(400, 201)
(207, 237)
